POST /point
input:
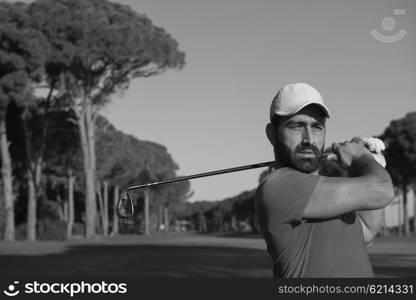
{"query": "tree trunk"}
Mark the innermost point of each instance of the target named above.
(159, 217)
(100, 205)
(406, 228)
(234, 226)
(6, 174)
(86, 130)
(203, 226)
(65, 211)
(400, 215)
(146, 211)
(34, 160)
(166, 217)
(34, 166)
(414, 211)
(31, 208)
(105, 208)
(61, 208)
(70, 222)
(115, 218)
(91, 140)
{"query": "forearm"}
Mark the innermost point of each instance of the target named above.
(371, 221)
(376, 177)
(368, 168)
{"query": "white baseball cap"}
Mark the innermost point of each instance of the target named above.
(291, 98)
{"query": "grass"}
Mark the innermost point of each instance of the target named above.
(175, 255)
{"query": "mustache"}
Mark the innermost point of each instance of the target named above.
(314, 149)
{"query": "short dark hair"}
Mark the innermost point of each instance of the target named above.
(275, 122)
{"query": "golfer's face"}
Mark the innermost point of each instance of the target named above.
(301, 139)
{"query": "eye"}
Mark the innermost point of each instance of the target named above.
(318, 126)
(294, 125)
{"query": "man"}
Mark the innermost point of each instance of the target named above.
(317, 226)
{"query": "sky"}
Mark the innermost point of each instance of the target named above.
(212, 114)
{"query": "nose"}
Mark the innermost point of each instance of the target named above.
(307, 137)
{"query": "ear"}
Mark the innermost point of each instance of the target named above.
(271, 134)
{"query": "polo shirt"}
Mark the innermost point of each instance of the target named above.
(307, 248)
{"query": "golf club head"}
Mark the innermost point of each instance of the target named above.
(125, 207)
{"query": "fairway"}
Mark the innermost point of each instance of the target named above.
(173, 256)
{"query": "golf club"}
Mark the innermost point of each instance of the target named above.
(125, 207)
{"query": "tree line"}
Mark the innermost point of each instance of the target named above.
(61, 61)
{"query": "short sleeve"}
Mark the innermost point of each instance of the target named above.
(284, 195)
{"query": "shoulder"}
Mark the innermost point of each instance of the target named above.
(283, 175)
(286, 183)
(283, 195)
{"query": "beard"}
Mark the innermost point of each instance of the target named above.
(289, 158)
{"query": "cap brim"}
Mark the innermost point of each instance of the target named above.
(323, 106)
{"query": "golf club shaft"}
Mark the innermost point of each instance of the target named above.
(206, 174)
(212, 173)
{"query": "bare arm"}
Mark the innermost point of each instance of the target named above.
(370, 189)
(371, 222)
